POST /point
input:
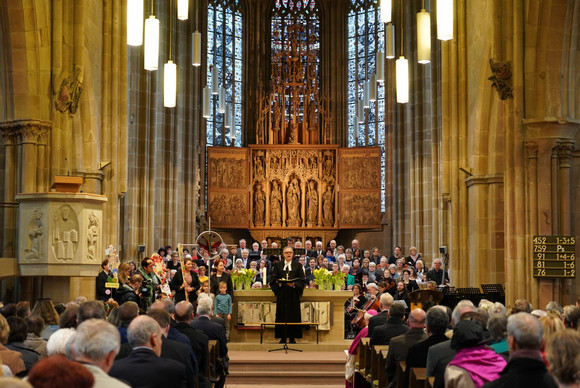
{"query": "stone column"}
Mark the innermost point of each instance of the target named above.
(564, 166)
(9, 190)
(532, 183)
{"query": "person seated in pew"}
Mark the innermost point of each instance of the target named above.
(399, 346)
(386, 300)
(395, 326)
(436, 322)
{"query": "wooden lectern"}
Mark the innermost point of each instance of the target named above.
(67, 184)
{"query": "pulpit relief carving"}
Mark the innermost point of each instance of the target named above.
(65, 235)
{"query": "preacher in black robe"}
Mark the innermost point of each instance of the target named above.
(288, 294)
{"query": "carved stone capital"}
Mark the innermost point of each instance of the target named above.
(532, 148)
(26, 131)
(565, 151)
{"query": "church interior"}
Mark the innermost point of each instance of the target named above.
(303, 119)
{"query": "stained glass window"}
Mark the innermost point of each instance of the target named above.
(224, 52)
(295, 47)
(366, 35)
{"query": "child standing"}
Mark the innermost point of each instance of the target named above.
(204, 290)
(223, 306)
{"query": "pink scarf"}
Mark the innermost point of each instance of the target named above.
(482, 363)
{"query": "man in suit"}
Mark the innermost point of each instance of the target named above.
(399, 346)
(102, 280)
(437, 321)
(144, 368)
(381, 318)
(183, 315)
(395, 326)
(241, 248)
(441, 354)
(95, 346)
(173, 350)
(319, 251)
(288, 295)
(309, 251)
(214, 331)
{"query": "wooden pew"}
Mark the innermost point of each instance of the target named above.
(383, 381)
(417, 377)
(429, 382)
(377, 364)
(401, 366)
(213, 354)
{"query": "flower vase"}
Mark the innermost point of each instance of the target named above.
(328, 286)
(237, 286)
(247, 284)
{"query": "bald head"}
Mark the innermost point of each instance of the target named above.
(183, 312)
(417, 318)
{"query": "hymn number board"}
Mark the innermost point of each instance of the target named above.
(554, 256)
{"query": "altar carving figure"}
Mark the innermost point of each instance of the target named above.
(92, 237)
(65, 234)
(258, 167)
(328, 168)
(35, 237)
(259, 205)
(312, 205)
(328, 206)
(293, 200)
(275, 205)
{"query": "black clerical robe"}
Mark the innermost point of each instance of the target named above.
(288, 298)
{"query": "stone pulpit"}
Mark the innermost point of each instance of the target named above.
(60, 240)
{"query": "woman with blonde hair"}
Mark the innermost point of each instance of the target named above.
(11, 358)
(563, 354)
(45, 309)
(551, 323)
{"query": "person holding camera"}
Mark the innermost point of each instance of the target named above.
(150, 282)
(130, 291)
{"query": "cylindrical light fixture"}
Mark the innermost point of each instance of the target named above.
(206, 102)
(423, 37)
(228, 117)
(402, 74)
(182, 9)
(373, 88)
(169, 84)
(366, 93)
(215, 89)
(380, 66)
(390, 40)
(222, 101)
(196, 49)
(151, 43)
(386, 6)
(134, 22)
(444, 19)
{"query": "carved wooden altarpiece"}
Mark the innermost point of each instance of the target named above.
(282, 191)
(360, 187)
(227, 187)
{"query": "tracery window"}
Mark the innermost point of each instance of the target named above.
(366, 35)
(294, 90)
(224, 51)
